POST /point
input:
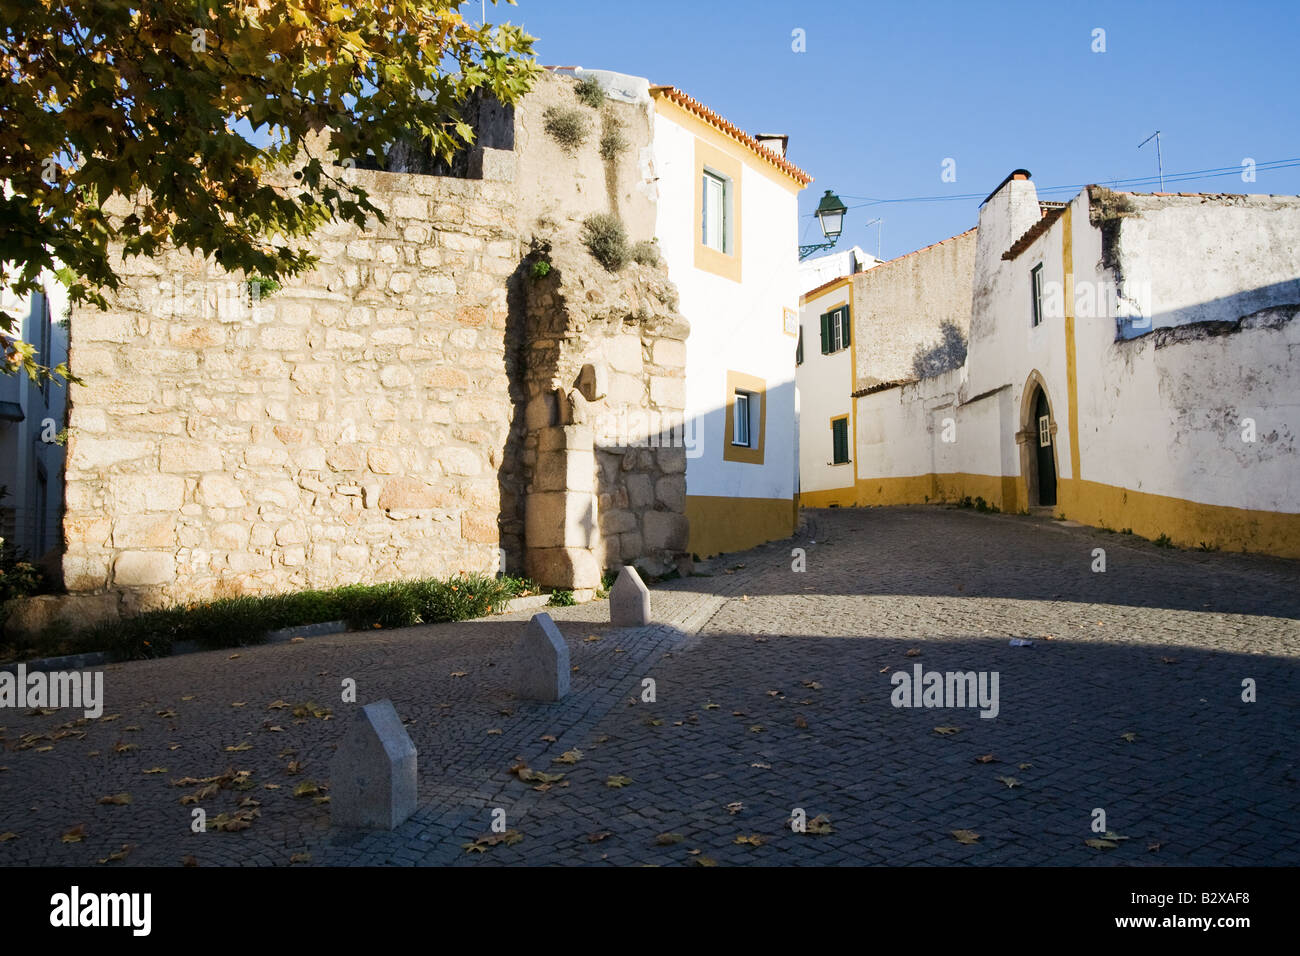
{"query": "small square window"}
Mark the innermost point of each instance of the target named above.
(740, 430)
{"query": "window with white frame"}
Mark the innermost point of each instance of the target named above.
(835, 330)
(741, 420)
(715, 227)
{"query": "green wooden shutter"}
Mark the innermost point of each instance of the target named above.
(826, 333)
(798, 351)
(840, 440)
(847, 322)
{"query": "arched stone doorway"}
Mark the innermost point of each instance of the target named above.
(1037, 441)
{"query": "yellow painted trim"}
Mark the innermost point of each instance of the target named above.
(725, 264)
(716, 138)
(828, 497)
(721, 524)
(745, 383)
(1189, 524)
(809, 298)
(1071, 355)
(853, 377)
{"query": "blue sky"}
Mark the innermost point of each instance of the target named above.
(887, 91)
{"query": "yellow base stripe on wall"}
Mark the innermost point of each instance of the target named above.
(1188, 524)
(721, 524)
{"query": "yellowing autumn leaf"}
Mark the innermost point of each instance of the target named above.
(987, 758)
(7, 836)
(119, 855)
(1009, 781)
(116, 800)
(238, 748)
(735, 807)
(1130, 736)
(820, 825)
(300, 858)
(1101, 844)
(618, 780)
(155, 770)
(569, 757)
(946, 731)
(307, 788)
(668, 839)
(968, 837)
(76, 834)
(752, 839)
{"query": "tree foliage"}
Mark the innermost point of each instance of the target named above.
(185, 110)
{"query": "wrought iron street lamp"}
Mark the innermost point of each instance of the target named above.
(830, 214)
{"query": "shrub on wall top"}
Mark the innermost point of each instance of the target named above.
(606, 240)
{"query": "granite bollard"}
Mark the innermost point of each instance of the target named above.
(629, 600)
(541, 661)
(372, 776)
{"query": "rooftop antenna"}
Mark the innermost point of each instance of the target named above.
(1159, 162)
(879, 224)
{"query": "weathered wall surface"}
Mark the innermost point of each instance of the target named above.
(371, 420)
(1172, 381)
(348, 428)
(901, 305)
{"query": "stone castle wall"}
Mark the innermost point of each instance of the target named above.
(376, 418)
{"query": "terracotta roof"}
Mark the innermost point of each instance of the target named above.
(883, 386)
(825, 287)
(692, 105)
(1033, 232)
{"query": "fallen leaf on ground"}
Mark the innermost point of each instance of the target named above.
(300, 858)
(735, 807)
(119, 855)
(618, 780)
(7, 836)
(238, 748)
(1009, 781)
(820, 825)
(277, 705)
(307, 788)
(481, 844)
(76, 834)
(495, 731)
(987, 758)
(752, 839)
(1130, 736)
(590, 638)
(597, 837)
(189, 860)
(569, 756)
(761, 766)
(116, 800)
(946, 731)
(459, 673)
(968, 837)
(705, 860)
(1023, 766)
(549, 738)
(668, 839)
(914, 652)
(1101, 844)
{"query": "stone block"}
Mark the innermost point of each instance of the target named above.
(187, 456)
(373, 783)
(665, 531)
(671, 492)
(640, 492)
(541, 661)
(144, 568)
(568, 568)
(629, 600)
(561, 437)
(565, 471)
(557, 519)
(144, 531)
(493, 165)
(668, 392)
(218, 491)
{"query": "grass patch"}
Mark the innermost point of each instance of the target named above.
(567, 125)
(645, 252)
(589, 91)
(239, 621)
(561, 598)
(613, 139)
(1164, 541)
(606, 239)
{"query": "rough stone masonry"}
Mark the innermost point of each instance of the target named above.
(416, 402)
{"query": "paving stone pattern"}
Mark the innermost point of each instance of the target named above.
(772, 692)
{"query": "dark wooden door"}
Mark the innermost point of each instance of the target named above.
(1046, 458)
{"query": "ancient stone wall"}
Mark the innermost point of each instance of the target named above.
(377, 418)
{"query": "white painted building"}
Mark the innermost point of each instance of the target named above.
(32, 413)
(1131, 365)
(727, 225)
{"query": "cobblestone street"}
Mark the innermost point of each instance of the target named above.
(773, 692)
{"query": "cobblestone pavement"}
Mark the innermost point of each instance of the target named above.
(773, 692)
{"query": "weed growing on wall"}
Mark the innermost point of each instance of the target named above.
(606, 239)
(567, 125)
(590, 91)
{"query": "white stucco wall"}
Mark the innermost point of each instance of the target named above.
(734, 326)
(825, 384)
